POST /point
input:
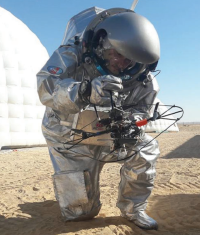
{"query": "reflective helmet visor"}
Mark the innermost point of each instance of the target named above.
(115, 62)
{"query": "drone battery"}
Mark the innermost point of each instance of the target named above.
(87, 121)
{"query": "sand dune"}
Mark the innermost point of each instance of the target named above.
(28, 205)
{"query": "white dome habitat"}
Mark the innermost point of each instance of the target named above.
(161, 124)
(21, 56)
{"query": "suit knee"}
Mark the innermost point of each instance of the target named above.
(73, 191)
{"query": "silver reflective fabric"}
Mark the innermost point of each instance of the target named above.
(101, 86)
(76, 178)
(78, 23)
(142, 220)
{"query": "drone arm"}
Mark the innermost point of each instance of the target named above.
(145, 121)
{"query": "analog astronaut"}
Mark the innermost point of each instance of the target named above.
(103, 52)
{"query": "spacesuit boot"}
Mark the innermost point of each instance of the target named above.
(142, 220)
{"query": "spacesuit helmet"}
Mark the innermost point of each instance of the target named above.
(122, 43)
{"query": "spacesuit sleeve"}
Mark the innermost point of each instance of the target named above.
(147, 103)
(144, 102)
(143, 98)
(56, 85)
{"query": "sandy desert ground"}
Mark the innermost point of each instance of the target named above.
(28, 206)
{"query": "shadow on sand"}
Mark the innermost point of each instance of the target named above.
(176, 214)
(190, 149)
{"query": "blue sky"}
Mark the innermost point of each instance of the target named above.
(177, 23)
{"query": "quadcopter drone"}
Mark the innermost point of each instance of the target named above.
(122, 129)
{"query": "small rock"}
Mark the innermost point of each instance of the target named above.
(35, 189)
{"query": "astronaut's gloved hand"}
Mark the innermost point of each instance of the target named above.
(98, 90)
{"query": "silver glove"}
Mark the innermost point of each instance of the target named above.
(102, 87)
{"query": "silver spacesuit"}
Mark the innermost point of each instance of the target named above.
(93, 52)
